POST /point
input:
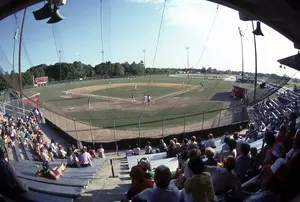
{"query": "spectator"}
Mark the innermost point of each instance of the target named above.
(238, 142)
(72, 159)
(254, 165)
(243, 162)
(185, 144)
(138, 182)
(162, 146)
(231, 152)
(269, 140)
(224, 178)
(171, 152)
(200, 184)
(91, 151)
(163, 190)
(209, 153)
(54, 173)
(182, 164)
(11, 187)
(177, 145)
(44, 155)
(187, 172)
(85, 158)
(146, 166)
(101, 152)
(148, 148)
(129, 152)
(193, 144)
(61, 152)
(210, 142)
(136, 150)
(51, 155)
(225, 149)
(54, 148)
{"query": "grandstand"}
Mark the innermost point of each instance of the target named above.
(273, 121)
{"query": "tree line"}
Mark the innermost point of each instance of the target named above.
(60, 72)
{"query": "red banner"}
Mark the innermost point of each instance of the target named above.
(39, 80)
(35, 98)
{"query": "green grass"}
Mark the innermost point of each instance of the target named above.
(149, 119)
(127, 119)
(141, 91)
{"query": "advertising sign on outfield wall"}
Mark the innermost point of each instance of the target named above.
(40, 80)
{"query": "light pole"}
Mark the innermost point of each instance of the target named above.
(60, 75)
(14, 51)
(144, 51)
(188, 59)
(102, 52)
(242, 46)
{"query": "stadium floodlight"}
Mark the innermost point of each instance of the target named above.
(48, 11)
(258, 31)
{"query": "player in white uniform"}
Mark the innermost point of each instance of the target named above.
(135, 87)
(132, 98)
(145, 99)
(149, 99)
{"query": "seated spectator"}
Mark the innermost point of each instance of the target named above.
(163, 191)
(171, 152)
(193, 144)
(200, 184)
(11, 187)
(185, 144)
(148, 148)
(224, 150)
(136, 150)
(238, 141)
(44, 155)
(36, 154)
(61, 152)
(254, 163)
(269, 140)
(100, 152)
(72, 159)
(51, 155)
(231, 152)
(129, 152)
(53, 174)
(182, 164)
(187, 172)
(85, 158)
(54, 148)
(177, 145)
(209, 153)
(138, 182)
(224, 178)
(162, 146)
(210, 142)
(243, 162)
(91, 151)
(146, 166)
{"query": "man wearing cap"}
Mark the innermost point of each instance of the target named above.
(163, 191)
(210, 142)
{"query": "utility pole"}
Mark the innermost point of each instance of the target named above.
(144, 51)
(60, 75)
(242, 46)
(14, 52)
(188, 59)
(255, 56)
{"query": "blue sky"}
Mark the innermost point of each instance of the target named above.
(132, 25)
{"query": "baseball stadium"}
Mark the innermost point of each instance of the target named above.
(210, 113)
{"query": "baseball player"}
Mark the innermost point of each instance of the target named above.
(201, 84)
(149, 100)
(135, 87)
(145, 99)
(89, 102)
(132, 98)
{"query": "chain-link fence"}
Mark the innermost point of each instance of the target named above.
(91, 130)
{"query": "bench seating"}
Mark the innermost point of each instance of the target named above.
(47, 198)
(55, 190)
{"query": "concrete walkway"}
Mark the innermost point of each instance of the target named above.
(52, 135)
(105, 188)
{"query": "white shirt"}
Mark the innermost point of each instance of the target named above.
(101, 153)
(129, 152)
(210, 143)
(148, 149)
(45, 157)
(85, 158)
(136, 150)
(53, 147)
(169, 194)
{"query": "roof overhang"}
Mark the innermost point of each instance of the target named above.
(292, 61)
(8, 7)
(282, 15)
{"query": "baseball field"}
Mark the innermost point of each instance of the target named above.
(176, 102)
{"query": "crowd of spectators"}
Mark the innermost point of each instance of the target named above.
(269, 173)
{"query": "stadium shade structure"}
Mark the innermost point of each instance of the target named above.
(292, 61)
